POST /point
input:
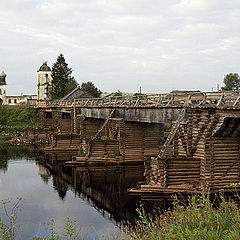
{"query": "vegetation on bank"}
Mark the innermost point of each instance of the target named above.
(4, 138)
(199, 218)
(8, 152)
(19, 118)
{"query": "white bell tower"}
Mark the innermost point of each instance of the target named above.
(3, 86)
(44, 82)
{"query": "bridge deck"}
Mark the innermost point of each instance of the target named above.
(199, 99)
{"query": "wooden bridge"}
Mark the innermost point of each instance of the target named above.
(204, 141)
(173, 99)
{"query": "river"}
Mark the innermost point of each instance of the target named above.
(95, 198)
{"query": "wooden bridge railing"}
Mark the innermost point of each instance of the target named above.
(196, 99)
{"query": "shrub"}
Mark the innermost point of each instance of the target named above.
(80, 152)
(19, 118)
(104, 138)
(4, 138)
(199, 219)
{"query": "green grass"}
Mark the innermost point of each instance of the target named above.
(4, 138)
(19, 118)
(80, 152)
(114, 154)
(167, 127)
(199, 219)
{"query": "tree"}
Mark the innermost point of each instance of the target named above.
(62, 81)
(231, 81)
(88, 87)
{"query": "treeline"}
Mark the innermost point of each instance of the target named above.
(232, 82)
(19, 118)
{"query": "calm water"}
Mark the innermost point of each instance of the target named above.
(95, 198)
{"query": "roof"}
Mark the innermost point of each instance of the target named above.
(44, 67)
(19, 97)
(30, 96)
(229, 127)
(76, 93)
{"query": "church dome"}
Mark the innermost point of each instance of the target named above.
(44, 67)
(3, 74)
(3, 78)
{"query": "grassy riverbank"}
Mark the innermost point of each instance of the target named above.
(19, 118)
(199, 218)
(15, 121)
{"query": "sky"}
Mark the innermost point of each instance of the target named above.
(158, 45)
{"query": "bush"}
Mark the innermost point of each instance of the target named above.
(4, 138)
(80, 152)
(167, 127)
(198, 220)
(105, 138)
(19, 118)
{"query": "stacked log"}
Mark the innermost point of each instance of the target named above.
(183, 171)
(49, 118)
(153, 139)
(134, 142)
(103, 148)
(154, 172)
(173, 171)
(64, 142)
(212, 139)
(226, 162)
(138, 140)
(65, 123)
(90, 127)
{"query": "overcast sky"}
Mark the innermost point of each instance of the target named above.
(159, 45)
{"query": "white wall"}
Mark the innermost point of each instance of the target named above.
(42, 79)
(3, 93)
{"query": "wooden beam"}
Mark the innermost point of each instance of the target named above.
(220, 99)
(105, 123)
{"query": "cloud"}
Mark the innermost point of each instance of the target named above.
(121, 44)
(190, 6)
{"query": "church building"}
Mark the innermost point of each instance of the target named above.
(3, 85)
(14, 100)
(44, 82)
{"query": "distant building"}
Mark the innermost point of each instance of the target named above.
(14, 100)
(44, 82)
(31, 99)
(21, 100)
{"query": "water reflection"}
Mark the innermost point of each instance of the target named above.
(104, 187)
(95, 197)
(10, 152)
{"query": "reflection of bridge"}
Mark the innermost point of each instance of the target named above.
(104, 188)
(206, 138)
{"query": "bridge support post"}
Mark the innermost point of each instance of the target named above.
(138, 140)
